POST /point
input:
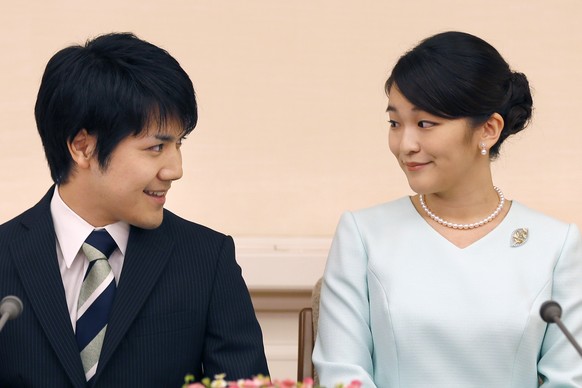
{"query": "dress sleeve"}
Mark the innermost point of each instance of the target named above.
(560, 365)
(344, 348)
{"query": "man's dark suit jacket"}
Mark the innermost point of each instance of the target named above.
(181, 307)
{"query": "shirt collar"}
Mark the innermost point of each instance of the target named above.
(72, 231)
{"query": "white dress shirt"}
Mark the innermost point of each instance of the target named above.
(71, 232)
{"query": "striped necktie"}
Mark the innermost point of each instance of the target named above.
(95, 299)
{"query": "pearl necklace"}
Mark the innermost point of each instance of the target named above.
(465, 226)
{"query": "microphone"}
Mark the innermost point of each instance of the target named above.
(551, 313)
(10, 308)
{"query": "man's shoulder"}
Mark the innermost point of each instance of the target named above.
(26, 219)
(181, 226)
(191, 237)
(42, 207)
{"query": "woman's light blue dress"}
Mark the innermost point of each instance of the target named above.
(401, 306)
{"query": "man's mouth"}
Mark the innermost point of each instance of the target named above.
(155, 193)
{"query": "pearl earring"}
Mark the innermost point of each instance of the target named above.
(483, 148)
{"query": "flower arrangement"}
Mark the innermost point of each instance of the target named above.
(257, 382)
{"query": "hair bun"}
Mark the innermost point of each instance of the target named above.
(517, 109)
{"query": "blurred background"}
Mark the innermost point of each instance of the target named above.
(293, 129)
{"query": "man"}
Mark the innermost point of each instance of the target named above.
(118, 291)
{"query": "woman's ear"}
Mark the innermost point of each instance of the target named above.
(491, 130)
(82, 147)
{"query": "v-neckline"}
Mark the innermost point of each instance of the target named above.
(476, 242)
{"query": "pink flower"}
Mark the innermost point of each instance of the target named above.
(286, 384)
(255, 383)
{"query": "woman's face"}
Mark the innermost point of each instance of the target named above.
(437, 155)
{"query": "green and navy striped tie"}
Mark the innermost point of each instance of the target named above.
(95, 299)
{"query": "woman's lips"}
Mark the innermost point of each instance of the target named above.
(414, 166)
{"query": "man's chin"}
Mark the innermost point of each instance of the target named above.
(151, 223)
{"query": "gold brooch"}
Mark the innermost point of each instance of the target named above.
(519, 237)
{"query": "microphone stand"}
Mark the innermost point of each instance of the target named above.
(568, 335)
(551, 312)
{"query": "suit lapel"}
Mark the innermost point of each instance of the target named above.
(36, 261)
(148, 252)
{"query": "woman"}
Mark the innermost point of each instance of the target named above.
(443, 289)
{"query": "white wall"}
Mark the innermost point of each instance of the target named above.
(292, 125)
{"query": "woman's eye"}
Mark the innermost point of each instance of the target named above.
(392, 123)
(157, 148)
(426, 124)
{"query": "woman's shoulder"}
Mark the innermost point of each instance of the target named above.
(523, 213)
(541, 224)
(396, 207)
(382, 215)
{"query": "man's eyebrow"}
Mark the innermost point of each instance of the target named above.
(165, 137)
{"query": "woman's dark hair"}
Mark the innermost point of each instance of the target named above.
(458, 75)
(114, 86)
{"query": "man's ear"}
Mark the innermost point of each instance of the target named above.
(82, 148)
(491, 130)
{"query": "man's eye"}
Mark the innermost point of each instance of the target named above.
(157, 148)
(426, 124)
(393, 124)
